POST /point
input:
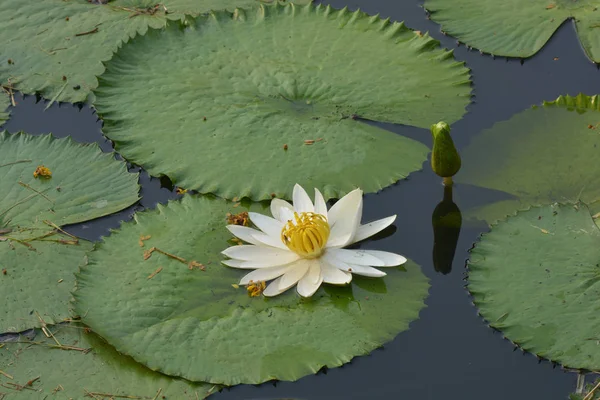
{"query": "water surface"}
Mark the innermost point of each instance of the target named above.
(449, 353)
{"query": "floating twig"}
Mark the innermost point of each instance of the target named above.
(590, 395)
(152, 275)
(47, 331)
(28, 385)
(157, 394)
(14, 162)
(58, 228)
(95, 30)
(9, 90)
(148, 253)
(18, 203)
(36, 191)
(110, 395)
(91, 395)
(55, 346)
(6, 375)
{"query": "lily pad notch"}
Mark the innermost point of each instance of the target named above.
(514, 28)
(278, 85)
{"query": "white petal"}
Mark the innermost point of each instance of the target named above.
(264, 239)
(334, 262)
(314, 271)
(251, 252)
(389, 259)
(341, 207)
(233, 263)
(346, 219)
(334, 276)
(372, 228)
(268, 225)
(264, 274)
(302, 202)
(277, 205)
(255, 264)
(359, 257)
(286, 215)
(366, 271)
(309, 284)
(295, 273)
(273, 288)
(269, 262)
(244, 233)
(320, 205)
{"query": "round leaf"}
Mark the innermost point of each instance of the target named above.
(56, 47)
(540, 155)
(516, 28)
(534, 277)
(37, 262)
(37, 279)
(256, 101)
(85, 183)
(184, 321)
(90, 368)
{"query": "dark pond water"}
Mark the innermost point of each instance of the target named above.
(449, 353)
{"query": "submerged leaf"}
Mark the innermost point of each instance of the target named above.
(86, 367)
(540, 155)
(516, 28)
(56, 47)
(251, 103)
(194, 324)
(541, 290)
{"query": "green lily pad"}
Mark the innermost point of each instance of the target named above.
(56, 47)
(541, 155)
(195, 324)
(39, 261)
(534, 277)
(74, 374)
(85, 182)
(256, 101)
(516, 28)
(37, 280)
(4, 103)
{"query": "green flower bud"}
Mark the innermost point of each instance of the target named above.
(445, 160)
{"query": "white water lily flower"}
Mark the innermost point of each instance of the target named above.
(303, 244)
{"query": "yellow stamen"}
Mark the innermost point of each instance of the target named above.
(306, 235)
(255, 289)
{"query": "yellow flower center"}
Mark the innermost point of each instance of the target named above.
(306, 235)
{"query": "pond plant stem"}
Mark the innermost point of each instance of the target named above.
(590, 395)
